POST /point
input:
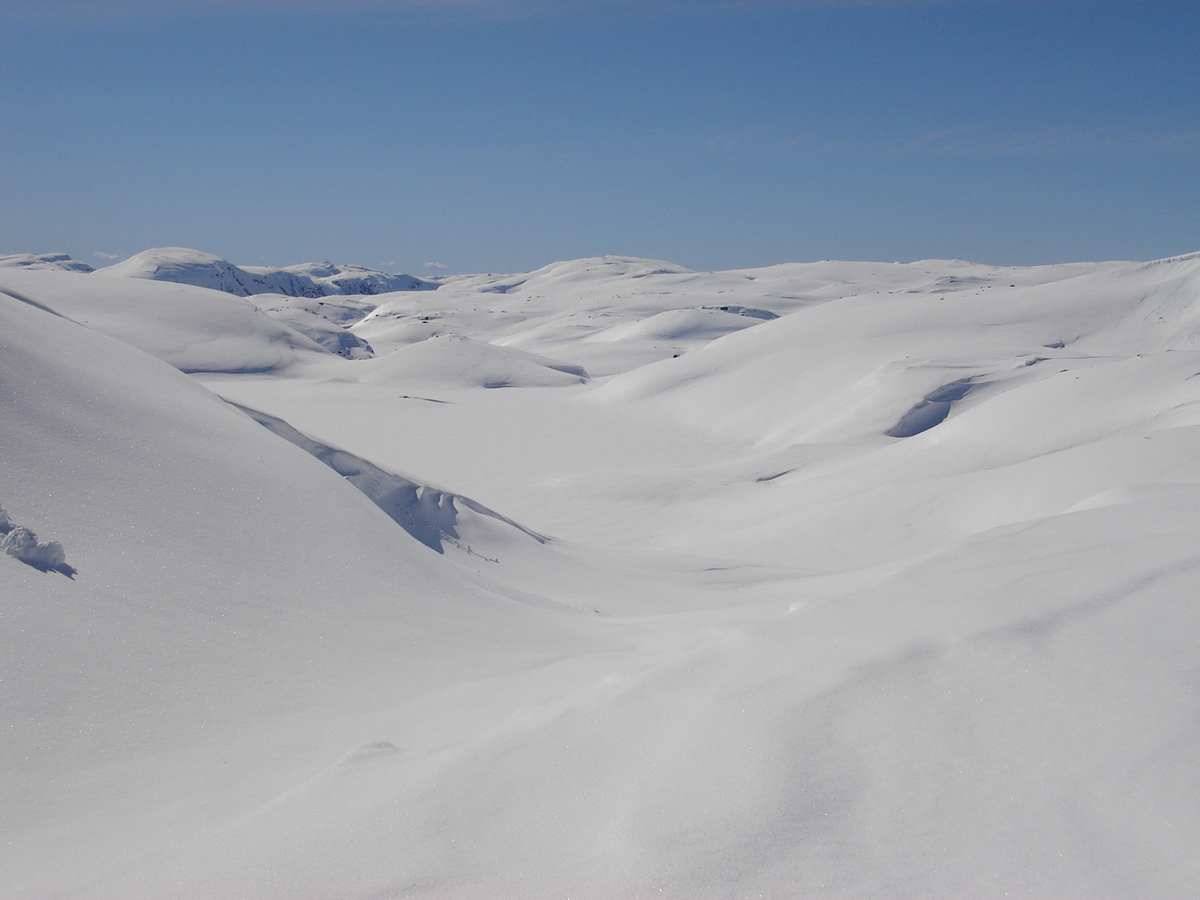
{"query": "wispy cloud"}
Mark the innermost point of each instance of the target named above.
(755, 135)
(66, 11)
(763, 136)
(435, 265)
(981, 140)
(116, 8)
(101, 255)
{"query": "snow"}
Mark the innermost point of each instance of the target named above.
(822, 580)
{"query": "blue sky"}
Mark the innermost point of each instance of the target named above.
(488, 135)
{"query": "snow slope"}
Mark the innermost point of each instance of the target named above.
(890, 595)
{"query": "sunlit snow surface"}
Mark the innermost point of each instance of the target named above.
(820, 580)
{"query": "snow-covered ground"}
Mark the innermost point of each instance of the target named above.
(607, 580)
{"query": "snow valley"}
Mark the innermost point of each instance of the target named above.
(612, 579)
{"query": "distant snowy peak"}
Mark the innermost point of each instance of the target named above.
(55, 261)
(194, 267)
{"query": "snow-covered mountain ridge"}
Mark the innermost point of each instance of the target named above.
(59, 262)
(830, 579)
(306, 280)
(184, 266)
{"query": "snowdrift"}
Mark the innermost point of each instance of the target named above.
(432, 516)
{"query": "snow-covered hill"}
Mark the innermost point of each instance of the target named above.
(830, 579)
(356, 280)
(194, 329)
(613, 313)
